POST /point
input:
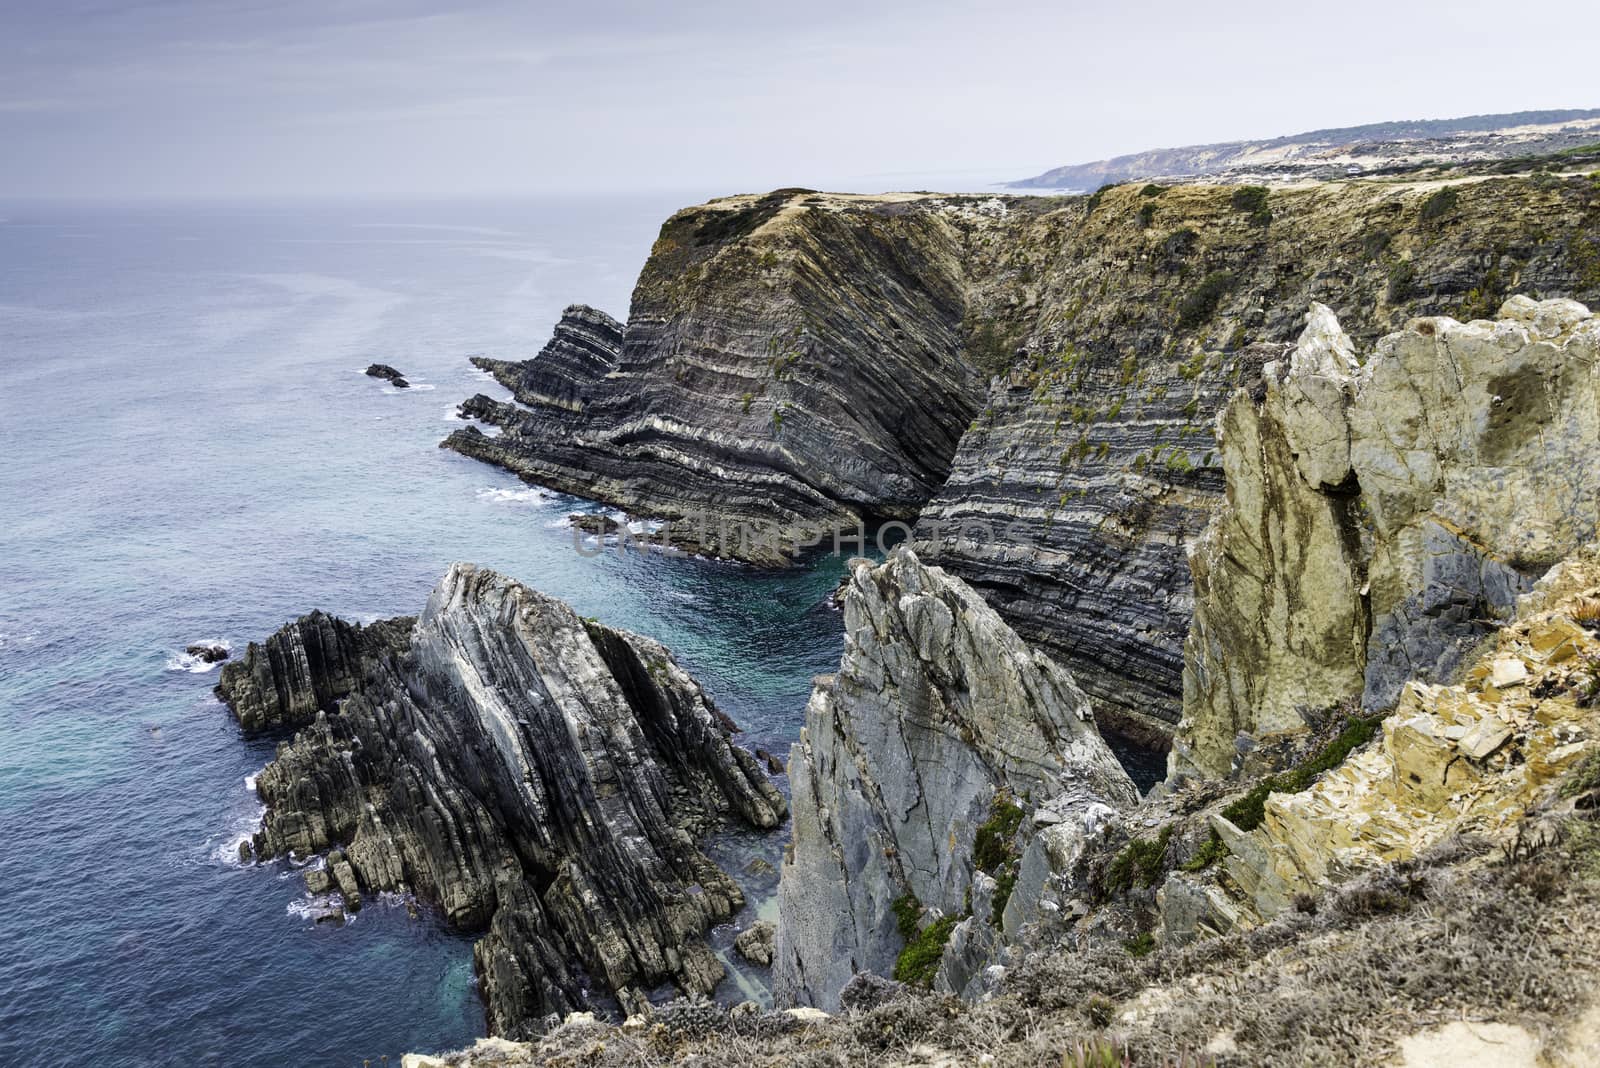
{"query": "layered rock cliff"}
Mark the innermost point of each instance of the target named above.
(802, 359)
(1384, 511)
(790, 362)
(940, 736)
(539, 777)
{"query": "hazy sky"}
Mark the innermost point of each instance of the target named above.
(184, 97)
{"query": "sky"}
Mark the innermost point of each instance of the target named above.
(221, 98)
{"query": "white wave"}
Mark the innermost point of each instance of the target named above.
(526, 495)
(194, 664)
(311, 907)
(250, 782)
(452, 414)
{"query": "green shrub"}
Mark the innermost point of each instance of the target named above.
(1097, 196)
(1252, 200)
(994, 853)
(1248, 811)
(1249, 198)
(1140, 863)
(1180, 242)
(1141, 945)
(918, 963)
(1213, 850)
(1202, 302)
(991, 847)
(1147, 215)
(1152, 190)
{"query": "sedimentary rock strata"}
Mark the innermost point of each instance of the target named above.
(802, 359)
(539, 777)
(790, 362)
(1383, 514)
(939, 714)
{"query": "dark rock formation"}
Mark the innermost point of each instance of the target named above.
(305, 668)
(208, 652)
(939, 717)
(540, 778)
(383, 370)
(594, 523)
(791, 362)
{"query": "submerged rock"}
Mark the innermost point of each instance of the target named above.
(538, 777)
(1383, 517)
(938, 719)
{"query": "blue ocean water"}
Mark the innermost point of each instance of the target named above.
(191, 452)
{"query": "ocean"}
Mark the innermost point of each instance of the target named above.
(192, 453)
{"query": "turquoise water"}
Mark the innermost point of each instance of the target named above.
(192, 453)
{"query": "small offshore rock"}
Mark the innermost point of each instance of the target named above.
(383, 370)
(760, 867)
(773, 763)
(597, 523)
(208, 652)
(755, 942)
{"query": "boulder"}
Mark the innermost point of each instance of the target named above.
(754, 943)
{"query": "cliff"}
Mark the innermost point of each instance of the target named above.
(539, 778)
(801, 359)
(791, 362)
(924, 765)
(1384, 512)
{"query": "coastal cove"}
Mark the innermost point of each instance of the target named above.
(196, 455)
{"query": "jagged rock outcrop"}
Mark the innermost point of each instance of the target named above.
(540, 777)
(1383, 517)
(939, 715)
(791, 362)
(307, 667)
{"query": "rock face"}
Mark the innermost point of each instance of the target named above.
(791, 361)
(305, 668)
(1470, 758)
(1072, 497)
(1036, 379)
(539, 777)
(1383, 517)
(938, 716)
